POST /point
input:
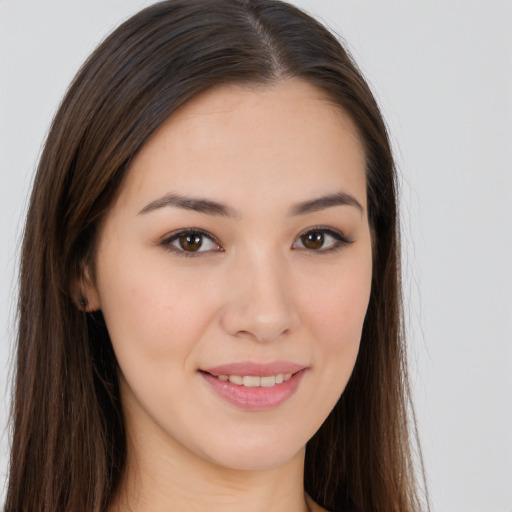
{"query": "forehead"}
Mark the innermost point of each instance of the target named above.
(279, 140)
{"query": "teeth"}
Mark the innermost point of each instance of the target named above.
(252, 381)
(236, 379)
(267, 382)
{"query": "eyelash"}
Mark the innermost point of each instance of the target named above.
(340, 241)
(167, 242)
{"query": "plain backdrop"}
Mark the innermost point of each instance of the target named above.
(442, 73)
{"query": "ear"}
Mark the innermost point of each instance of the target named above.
(84, 290)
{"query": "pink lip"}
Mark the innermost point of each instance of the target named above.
(255, 369)
(256, 398)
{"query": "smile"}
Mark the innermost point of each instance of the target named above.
(253, 381)
(254, 387)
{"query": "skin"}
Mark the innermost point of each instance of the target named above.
(253, 292)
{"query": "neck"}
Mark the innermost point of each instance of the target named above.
(169, 478)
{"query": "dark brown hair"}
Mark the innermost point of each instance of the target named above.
(68, 440)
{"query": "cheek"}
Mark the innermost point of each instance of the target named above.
(336, 314)
(154, 318)
(337, 303)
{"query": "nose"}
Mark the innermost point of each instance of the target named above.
(260, 303)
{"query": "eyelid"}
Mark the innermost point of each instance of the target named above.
(341, 239)
(167, 242)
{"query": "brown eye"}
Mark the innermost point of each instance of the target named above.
(190, 242)
(321, 240)
(313, 239)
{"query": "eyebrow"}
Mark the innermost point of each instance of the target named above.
(196, 204)
(338, 199)
(209, 207)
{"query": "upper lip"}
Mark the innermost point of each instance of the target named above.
(255, 369)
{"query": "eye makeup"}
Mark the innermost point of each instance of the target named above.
(193, 242)
(321, 239)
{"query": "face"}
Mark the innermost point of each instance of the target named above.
(233, 272)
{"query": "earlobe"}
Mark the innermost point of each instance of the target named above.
(85, 293)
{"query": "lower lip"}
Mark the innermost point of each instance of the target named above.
(257, 398)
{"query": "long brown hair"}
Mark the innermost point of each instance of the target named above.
(68, 439)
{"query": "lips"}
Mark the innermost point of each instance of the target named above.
(252, 386)
(255, 369)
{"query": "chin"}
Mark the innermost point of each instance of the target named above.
(261, 460)
(256, 452)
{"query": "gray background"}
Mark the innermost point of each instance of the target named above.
(442, 73)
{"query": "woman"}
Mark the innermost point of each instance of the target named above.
(209, 302)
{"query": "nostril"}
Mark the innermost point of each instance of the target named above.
(263, 334)
(262, 313)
